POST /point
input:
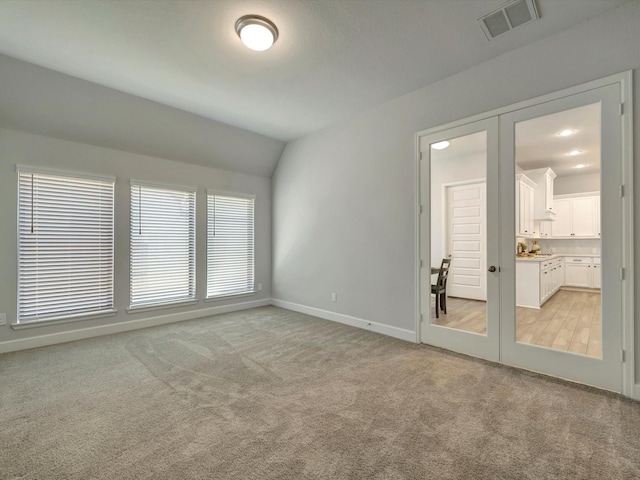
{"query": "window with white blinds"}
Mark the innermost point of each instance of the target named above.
(65, 245)
(230, 260)
(162, 245)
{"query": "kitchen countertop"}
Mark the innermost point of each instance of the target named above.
(542, 258)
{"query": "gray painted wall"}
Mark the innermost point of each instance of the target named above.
(344, 198)
(37, 100)
(35, 150)
(577, 184)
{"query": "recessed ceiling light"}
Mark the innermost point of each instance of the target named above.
(256, 32)
(580, 165)
(573, 153)
(566, 133)
(440, 145)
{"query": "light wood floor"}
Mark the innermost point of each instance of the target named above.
(569, 321)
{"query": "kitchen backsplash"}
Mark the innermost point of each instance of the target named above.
(579, 247)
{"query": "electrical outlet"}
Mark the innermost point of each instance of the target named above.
(334, 297)
(259, 287)
(3, 318)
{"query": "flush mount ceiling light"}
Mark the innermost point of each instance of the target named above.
(256, 32)
(573, 153)
(580, 165)
(440, 145)
(566, 133)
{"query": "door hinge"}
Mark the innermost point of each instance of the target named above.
(622, 274)
(621, 191)
(421, 208)
(621, 109)
(421, 263)
(420, 155)
(622, 355)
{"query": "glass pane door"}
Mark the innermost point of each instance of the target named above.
(561, 166)
(459, 201)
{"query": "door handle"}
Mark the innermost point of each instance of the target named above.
(492, 268)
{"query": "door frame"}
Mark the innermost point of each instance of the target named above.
(625, 80)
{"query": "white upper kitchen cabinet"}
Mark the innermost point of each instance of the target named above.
(576, 216)
(563, 226)
(545, 228)
(543, 193)
(525, 206)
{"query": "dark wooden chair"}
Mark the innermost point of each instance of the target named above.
(440, 288)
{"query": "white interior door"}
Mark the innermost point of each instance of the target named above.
(466, 228)
(526, 338)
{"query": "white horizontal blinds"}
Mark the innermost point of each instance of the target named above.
(230, 260)
(65, 246)
(162, 245)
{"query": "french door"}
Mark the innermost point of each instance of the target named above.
(458, 181)
(468, 180)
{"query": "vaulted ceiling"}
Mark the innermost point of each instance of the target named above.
(171, 63)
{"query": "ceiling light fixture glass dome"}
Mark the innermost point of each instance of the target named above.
(256, 32)
(440, 145)
(566, 133)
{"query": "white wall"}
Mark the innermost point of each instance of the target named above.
(344, 198)
(28, 149)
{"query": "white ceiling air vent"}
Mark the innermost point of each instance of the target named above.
(509, 16)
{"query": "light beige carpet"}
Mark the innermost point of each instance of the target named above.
(272, 394)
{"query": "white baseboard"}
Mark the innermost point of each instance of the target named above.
(79, 334)
(636, 391)
(395, 332)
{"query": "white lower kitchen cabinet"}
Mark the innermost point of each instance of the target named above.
(579, 272)
(538, 280)
(597, 274)
(582, 272)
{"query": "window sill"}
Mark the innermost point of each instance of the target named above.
(233, 295)
(161, 306)
(60, 320)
